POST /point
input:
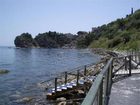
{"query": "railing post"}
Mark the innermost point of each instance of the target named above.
(77, 77)
(55, 84)
(66, 77)
(138, 57)
(125, 63)
(100, 101)
(132, 56)
(106, 87)
(100, 89)
(111, 76)
(107, 81)
(135, 56)
(85, 70)
(130, 65)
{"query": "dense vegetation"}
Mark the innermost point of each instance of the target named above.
(122, 34)
(25, 40)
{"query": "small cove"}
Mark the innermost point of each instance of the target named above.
(28, 67)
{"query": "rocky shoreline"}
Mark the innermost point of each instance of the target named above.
(79, 93)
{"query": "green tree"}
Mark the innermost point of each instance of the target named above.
(25, 40)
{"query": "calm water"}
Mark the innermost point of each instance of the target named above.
(31, 66)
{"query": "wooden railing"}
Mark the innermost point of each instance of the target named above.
(100, 90)
(100, 87)
(79, 78)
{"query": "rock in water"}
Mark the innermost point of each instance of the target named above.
(24, 100)
(3, 71)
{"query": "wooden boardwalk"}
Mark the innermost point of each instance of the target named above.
(120, 78)
(99, 80)
(126, 91)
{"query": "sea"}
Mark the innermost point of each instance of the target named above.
(30, 66)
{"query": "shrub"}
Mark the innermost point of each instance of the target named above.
(114, 42)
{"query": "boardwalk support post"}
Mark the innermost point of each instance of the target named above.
(125, 63)
(55, 84)
(85, 70)
(66, 77)
(77, 77)
(101, 94)
(139, 57)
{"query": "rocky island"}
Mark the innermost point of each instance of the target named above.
(45, 40)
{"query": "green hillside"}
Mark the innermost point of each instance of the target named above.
(121, 34)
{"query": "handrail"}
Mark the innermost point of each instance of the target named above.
(97, 89)
(100, 90)
(59, 75)
(105, 69)
(89, 100)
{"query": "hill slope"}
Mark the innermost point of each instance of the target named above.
(122, 34)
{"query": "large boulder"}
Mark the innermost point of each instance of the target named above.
(4, 71)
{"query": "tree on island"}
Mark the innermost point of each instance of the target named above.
(25, 40)
(52, 39)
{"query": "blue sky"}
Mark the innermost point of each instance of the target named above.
(67, 16)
